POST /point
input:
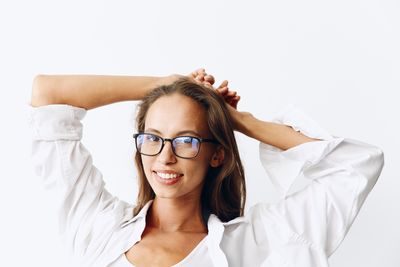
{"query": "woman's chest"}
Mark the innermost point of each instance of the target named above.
(163, 249)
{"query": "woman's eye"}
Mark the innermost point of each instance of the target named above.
(184, 140)
(187, 140)
(153, 138)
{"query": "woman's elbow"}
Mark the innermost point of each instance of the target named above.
(40, 92)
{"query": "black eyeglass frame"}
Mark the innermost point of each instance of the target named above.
(201, 140)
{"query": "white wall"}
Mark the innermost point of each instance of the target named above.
(339, 61)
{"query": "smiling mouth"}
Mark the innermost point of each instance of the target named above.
(167, 179)
(168, 175)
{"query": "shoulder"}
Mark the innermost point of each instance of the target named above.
(259, 218)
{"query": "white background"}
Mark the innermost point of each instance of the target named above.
(338, 61)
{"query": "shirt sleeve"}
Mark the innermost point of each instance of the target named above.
(88, 214)
(323, 184)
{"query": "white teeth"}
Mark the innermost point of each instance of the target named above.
(167, 175)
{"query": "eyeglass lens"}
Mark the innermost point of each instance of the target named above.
(183, 146)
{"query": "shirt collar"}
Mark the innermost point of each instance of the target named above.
(216, 221)
(142, 214)
(216, 230)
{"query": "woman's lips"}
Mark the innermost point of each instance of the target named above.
(164, 181)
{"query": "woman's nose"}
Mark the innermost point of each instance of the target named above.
(167, 154)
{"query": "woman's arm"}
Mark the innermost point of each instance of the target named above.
(341, 173)
(275, 134)
(91, 91)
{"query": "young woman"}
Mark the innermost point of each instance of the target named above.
(190, 206)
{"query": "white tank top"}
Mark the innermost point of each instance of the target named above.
(197, 257)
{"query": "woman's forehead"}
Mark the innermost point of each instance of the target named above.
(176, 114)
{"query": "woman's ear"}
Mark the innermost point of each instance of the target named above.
(218, 157)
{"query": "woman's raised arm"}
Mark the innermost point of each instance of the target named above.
(275, 134)
(271, 133)
(91, 91)
(314, 214)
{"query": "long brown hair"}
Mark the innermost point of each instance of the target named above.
(224, 190)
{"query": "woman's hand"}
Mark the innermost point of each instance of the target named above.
(231, 98)
(200, 76)
(278, 135)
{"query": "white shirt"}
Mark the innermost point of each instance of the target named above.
(303, 229)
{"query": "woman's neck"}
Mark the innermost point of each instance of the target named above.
(176, 215)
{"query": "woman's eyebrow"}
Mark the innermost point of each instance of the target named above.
(152, 130)
(188, 132)
(178, 133)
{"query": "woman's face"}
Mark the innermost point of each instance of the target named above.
(169, 117)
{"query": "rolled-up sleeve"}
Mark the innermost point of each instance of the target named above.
(340, 173)
(88, 213)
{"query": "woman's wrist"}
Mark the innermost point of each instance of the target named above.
(239, 119)
(242, 121)
(167, 80)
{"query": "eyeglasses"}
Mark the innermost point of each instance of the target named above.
(186, 147)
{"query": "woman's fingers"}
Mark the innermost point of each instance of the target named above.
(209, 78)
(200, 76)
(207, 84)
(198, 71)
(235, 101)
(222, 90)
(231, 93)
(230, 97)
(223, 84)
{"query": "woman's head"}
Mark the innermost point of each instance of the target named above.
(215, 175)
